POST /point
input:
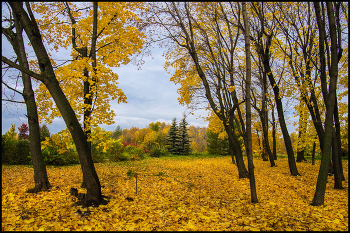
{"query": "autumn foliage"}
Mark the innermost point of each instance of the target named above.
(184, 193)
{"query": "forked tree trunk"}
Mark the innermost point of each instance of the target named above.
(331, 97)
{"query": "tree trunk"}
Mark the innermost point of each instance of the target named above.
(254, 197)
(232, 153)
(242, 171)
(274, 143)
(257, 134)
(40, 175)
(301, 136)
(330, 100)
(336, 168)
(337, 134)
(300, 156)
(313, 153)
(49, 79)
(287, 141)
(264, 122)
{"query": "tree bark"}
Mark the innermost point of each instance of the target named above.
(49, 79)
(232, 153)
(274, 143)
(302, 131)
(287, 140)
(242, 171)
(264, 122)
(337, 134)
(313, 153)
(336, 168)
(264, 53)
(329, 98)
(254, 197)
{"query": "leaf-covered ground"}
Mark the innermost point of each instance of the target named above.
(176, 194)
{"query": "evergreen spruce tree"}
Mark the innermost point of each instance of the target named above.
(173, 138)
(184, 143)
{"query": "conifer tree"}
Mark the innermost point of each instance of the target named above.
(173, 138)
(184, 141)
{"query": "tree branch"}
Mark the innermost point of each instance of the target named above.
(21, 68)
(14, 101)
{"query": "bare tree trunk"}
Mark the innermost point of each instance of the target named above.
(302, 131)
(286, 137)
(337, 134)
(335, 154)
(274, 143)
(330, 100)
(254, 197)
(232, 153)
(313, 153)
(264, 122)
(40, 175)
(242, 171)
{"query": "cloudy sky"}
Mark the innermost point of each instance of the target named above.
(150, 94)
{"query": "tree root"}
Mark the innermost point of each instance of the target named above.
(84, 202)
(43, 186)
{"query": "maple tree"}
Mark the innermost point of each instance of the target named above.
(48, 77)
(105, 39)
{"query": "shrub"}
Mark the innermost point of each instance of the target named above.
(52, 157)
(119, 157)
(97, 154)
(15, 152)
(134, 152)
(157, 151)
(115, 152)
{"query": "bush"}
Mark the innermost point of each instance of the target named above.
(158, 152)
(134, 152)
(52, 157)
(119, 157)
(15, 152)
(115, 152)
(97, 154)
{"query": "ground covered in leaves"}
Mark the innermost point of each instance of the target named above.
(175, 194)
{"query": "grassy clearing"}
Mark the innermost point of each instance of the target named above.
(176, 193)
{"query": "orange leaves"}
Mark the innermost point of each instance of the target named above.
(174, 194)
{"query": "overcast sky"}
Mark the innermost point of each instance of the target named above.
(150, 94)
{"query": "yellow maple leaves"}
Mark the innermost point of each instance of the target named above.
(117, 40)
(201, 194)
